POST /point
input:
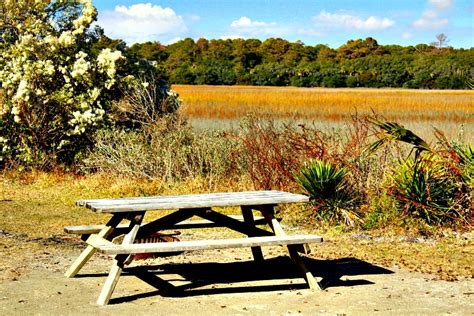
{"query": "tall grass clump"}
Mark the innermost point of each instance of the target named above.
(169, 153)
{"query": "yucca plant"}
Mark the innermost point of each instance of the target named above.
(465, 156)
(424, 189)
(330, 192)
(431, 186)
(392, 131)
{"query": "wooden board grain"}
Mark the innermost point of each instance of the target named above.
(191, 201)
(208, 244)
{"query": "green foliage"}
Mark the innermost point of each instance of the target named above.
(464, 155)
(330, 191)
(424, 189)
(434, 186)
(393, 131)
(275, 61)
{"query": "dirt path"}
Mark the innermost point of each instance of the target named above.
(232, 286)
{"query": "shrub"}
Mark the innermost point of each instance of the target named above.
(435, 185)
(424, 189)
(331, 193)
(270, 153)
(146, 100)
(59, 82)
(170, 151)
(57, 92)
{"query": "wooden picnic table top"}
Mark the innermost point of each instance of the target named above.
(192, 201)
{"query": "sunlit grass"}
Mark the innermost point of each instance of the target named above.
(232, 102)
(39, 204)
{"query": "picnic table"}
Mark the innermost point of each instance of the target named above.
(185, 207)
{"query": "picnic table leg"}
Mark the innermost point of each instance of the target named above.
(119, 262)
(268, 212)
(87, 253)
(248, 218)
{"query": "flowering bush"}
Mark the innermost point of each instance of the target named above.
(56, 89)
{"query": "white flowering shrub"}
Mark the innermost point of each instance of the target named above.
(56, 90)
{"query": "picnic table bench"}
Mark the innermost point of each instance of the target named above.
(184, 207)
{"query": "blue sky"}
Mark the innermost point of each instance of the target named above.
(331, 22)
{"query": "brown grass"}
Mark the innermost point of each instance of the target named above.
(233, 102)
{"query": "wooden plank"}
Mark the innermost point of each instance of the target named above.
(192, 201)
(200, 223)
(208, 244)
(250, 220)
(96, 241)
(208, 196)
(87, 253)
(118, 264)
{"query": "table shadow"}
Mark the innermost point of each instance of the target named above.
(208, 278)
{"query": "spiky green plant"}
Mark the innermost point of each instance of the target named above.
(465, 156)
(431, 186)
(329, 190)
(424, 189)
(392, 131)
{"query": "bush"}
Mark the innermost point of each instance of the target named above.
(271, 154)
(146, 100)
(331, 192)
(170, 151)
(59, 82)
(57, 92)
(435, 185)
(424, 189)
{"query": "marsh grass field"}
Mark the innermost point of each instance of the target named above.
(221, 107)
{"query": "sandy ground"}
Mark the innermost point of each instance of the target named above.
(226, 282)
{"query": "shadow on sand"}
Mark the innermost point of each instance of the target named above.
(208, 278)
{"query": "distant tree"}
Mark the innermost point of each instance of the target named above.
(441, 41)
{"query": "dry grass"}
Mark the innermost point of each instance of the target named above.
(40, 204)
(233, 102)
(34, 207)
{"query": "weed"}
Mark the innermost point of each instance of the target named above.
(170, 152)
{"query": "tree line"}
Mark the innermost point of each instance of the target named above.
(278, 62)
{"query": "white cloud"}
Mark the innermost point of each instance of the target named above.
(234, 36)
(248, 27)
(430, 20)
(245, 22)
(173, 40)
(142, 22)
(441, 4)
(407, 35)
(351, 21)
